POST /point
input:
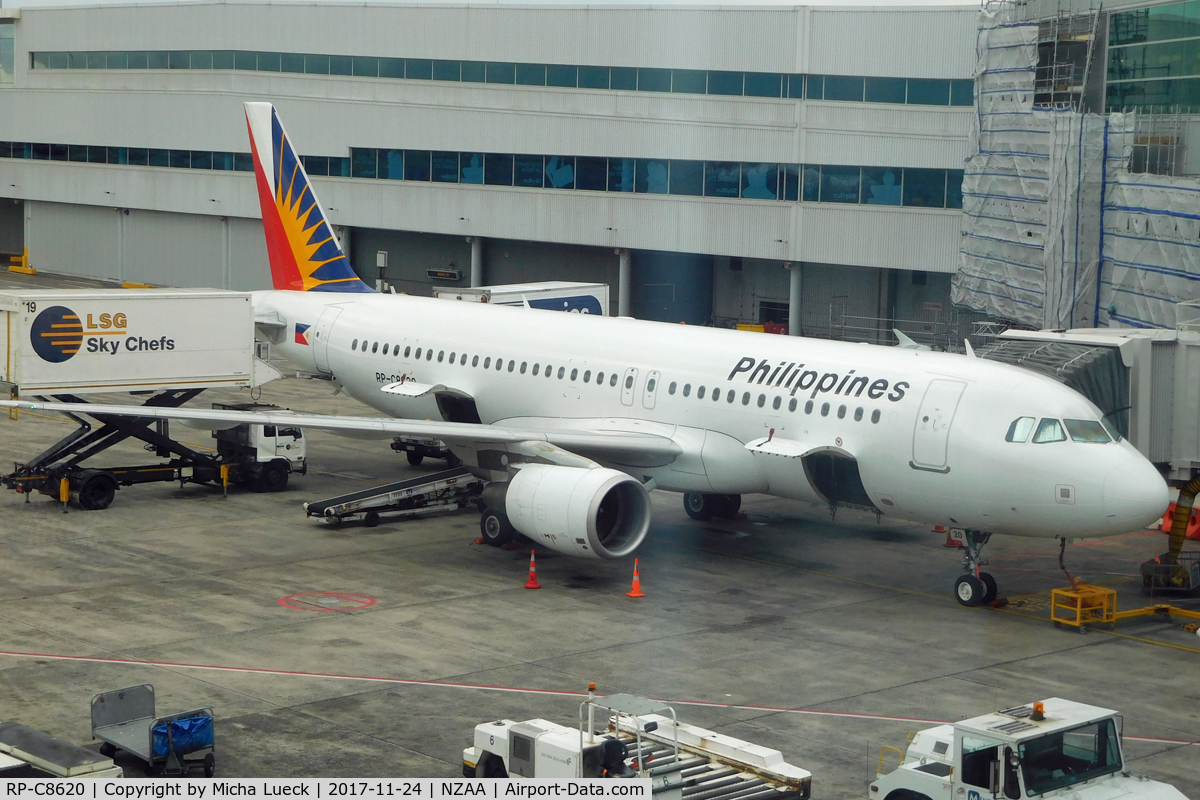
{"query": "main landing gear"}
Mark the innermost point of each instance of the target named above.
(974, 588)
(706, 506)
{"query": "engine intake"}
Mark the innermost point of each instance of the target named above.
(593, 513)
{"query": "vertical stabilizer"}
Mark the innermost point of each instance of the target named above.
(304, 252)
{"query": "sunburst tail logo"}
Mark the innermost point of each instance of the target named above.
(304, 252)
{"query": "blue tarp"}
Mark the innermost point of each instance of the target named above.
(187, 736)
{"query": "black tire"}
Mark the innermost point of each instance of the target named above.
(728, 505)
(107, 750)
(990, 591)
(371, 519)
(153, 770)
(495, 528)
(210, 765)
(274, 477)
(96, 490)
(414, 458)
(968, 591)
(699, 506)
(490, 766)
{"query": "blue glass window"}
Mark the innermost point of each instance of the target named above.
(814, 87)
(390, 165)
(763, 84)
(812, 183)
(925, 188)
(447, 71)
(139, 156)
(288, 62)
(416, 165)
(620, 174)
(96, 155)
(721, 179)
(844, 88)
(882, 185)
(498, 169)
(138, 60)
(418, 69)
(474, 72)
(760, 181)
(362, 162)
(159, 158)
(391, 67)
(158, 59)
(244, 162)
(531, 74)
(622, 78)
(315, 165)
(560, 75)
(651, 176)
(341, 65)
(790, 174)
(527, 170)
(591, 174)
(962, 93)
(200, 59)
(242, 59)
(224, 161)
(954, 179)
(654, 80)
(885, 90)
(222, 59)
(795, 86)
(470, 167)
(839, 184)
(593, 77)
(687, 177)
(181, 159)
(560, 172)
(501, 72)
(201, 159)
(928, 92)
(684, 81)
(315, 64)
(727, 83)
(120, 155)
(96, 60)
(444, 167)
(176, 59)
(267, 62)
(121, 60)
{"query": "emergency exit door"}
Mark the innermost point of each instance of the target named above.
(319, 341)
(931, 435)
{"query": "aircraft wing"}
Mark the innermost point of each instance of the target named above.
(624, 445)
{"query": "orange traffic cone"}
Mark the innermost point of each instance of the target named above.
(636, 590)
(532, 583)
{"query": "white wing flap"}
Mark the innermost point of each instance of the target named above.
(411, 388)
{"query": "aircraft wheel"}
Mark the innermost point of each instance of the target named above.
(415, 458)
(968, 590)
(728, 505)
(700, 506)
(495, 528)
(989, 588)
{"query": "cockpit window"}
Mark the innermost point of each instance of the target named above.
(1049, 430)
(1112, 429)
(1087, 430)
(1019, 430)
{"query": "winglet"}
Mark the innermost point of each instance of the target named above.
(304, 252)
(906, 343)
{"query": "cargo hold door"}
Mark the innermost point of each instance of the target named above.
(320, 339)
(931, 434)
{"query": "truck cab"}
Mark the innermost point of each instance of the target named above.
(1051, 748)
(265, 454)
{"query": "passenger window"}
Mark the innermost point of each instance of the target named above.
(418, 356)
(407, 350)
(524, 364)
(474, 361)
(429, 355)
(808, 407)
(671, 388)
(700, 393)
(775, 404)
(385, 348)
(875, 416)
(354, 345)
(745, 398)
(732, 394)
(512, 365)
(792, 404)
(487, 363)
(841, 412)
(440, 354)
(612, 379)
(825, 409)
(687, 389)
(549, 371)
(1086, 430)
(574, 375)
(537, 368)
(375, 347)
(629, 382)
(452, 355)
(762, 400)
(1019, 430)
(599, 378)
(562, 371)
(500, 365)
(462, 360)
(587, 376)
(1049, 430)
(858, 414)
(650, 384)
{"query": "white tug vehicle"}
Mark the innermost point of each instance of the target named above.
(1053, 748)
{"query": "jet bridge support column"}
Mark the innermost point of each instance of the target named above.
(625, 277)
(476, 260)
(794, 275)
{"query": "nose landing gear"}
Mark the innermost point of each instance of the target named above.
(975, 588)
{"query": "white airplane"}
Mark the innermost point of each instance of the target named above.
(571, 418)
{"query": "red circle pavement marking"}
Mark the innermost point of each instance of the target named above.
(327, 601)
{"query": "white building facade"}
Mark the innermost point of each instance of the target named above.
(712, 164)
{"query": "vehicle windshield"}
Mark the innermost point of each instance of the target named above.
(1087, 430)
(1074, 756)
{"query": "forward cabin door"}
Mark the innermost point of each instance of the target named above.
(320, 339)
(931, 434)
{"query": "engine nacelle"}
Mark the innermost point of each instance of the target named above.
(593, 513)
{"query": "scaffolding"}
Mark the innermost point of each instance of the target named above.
(1159, 140)
(1066, 50)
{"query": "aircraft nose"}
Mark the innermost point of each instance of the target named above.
(1134, 494)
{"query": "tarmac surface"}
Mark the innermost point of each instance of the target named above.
(826, 639)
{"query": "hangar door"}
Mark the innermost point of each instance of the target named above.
(931, 435)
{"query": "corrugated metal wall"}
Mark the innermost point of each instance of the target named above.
(1162, 395)
(849, 42)
(12, 227)
(77, 240)
(835, 299)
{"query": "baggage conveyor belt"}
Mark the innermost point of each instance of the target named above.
(448, 490)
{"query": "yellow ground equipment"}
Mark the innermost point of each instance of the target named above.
(1083, 604)
(21, 263)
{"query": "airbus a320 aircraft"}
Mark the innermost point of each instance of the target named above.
(572, 418)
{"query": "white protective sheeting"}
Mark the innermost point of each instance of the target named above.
(1151, 250)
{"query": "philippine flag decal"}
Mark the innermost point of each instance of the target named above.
(302, 333)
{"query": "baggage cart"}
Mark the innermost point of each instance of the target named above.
(125, 719)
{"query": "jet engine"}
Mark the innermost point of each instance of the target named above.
(593, 513)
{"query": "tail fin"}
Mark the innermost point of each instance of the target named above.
(304, 252)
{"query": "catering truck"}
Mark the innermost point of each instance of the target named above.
(1052, 748)
(160, 344)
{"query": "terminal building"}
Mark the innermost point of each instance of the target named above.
(721, 165)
